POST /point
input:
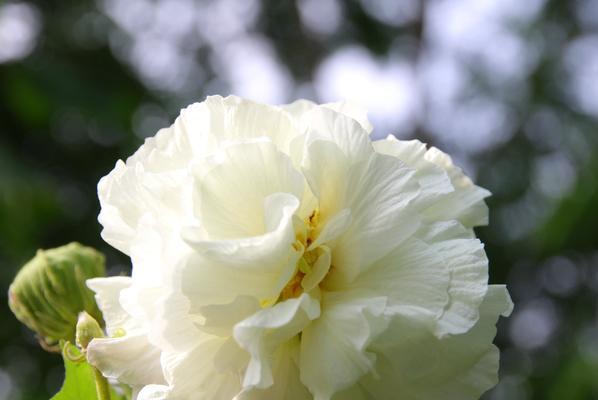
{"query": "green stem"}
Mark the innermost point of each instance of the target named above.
(102, 387)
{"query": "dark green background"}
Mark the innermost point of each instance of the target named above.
(74, 105)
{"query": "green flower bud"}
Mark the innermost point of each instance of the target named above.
(87, 329)
(49, 292)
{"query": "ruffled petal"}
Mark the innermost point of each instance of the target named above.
(413, 364)
(450, 193)
(333, 228)
(130, 359)
(322, 123)
(285, 370)
(466, 203)
(153, 392)
(234, 118)
(230, 197)
(351, 110)
(264, 331)
(107, 295)
(197, 374)
(379, 193)
(468, 266)
(326, 169)
(334, 352)
(258, 266)
(151, 183)
(433, 179)
(220, 319)
(415, 279)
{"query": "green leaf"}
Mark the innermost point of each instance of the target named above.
(79, 383)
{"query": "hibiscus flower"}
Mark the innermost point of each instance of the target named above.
(279, 253)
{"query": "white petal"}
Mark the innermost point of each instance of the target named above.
(466, 203)
(345, 132)
(107, 295)
(231, 195)
(468, 266)
(413, 364)
(326, 169)
(450, 194)
(129, 359)
(334, 347)
(221, 318)
(150, 183)
(117, 216)
(170, 150)
(333, 228)
(415, 279)
(299, 107)
(497, 302)
(287, 385)
(433, 179)
(444, 230)
(352, 110)
(193, 374)
(155, 180)
(236, 118)
(174, 330)
(380, 192)
(258, 266)
(204, 126)
(411, 152)
(153, 392)
(264, 331)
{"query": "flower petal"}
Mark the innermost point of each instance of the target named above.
(264, 331)
(322, 123)
(414, 278)
(350, 109)
(380, 192)
(231, 195)
(153, 392)
(433, 179)
(325, 168)
(236, 118)
(466, 203)
(194, 374)
(287, 385)
(150, 183)
(413, 364)
(107, 296)
(334, 227)
(334, 347)
(130, 359)
(451, 194)
(468, 266)
(258, 266)
(220, 319)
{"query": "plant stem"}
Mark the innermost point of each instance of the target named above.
(102, 387)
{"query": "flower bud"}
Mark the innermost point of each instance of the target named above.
(87, 329)
(49, 292)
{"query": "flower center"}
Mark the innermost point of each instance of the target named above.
(313, 265)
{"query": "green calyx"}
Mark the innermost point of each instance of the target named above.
(49, 292)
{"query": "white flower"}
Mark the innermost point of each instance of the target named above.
(279, 253)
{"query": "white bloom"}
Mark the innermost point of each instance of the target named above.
(279, 253)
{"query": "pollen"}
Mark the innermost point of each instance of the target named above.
(308, 261)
